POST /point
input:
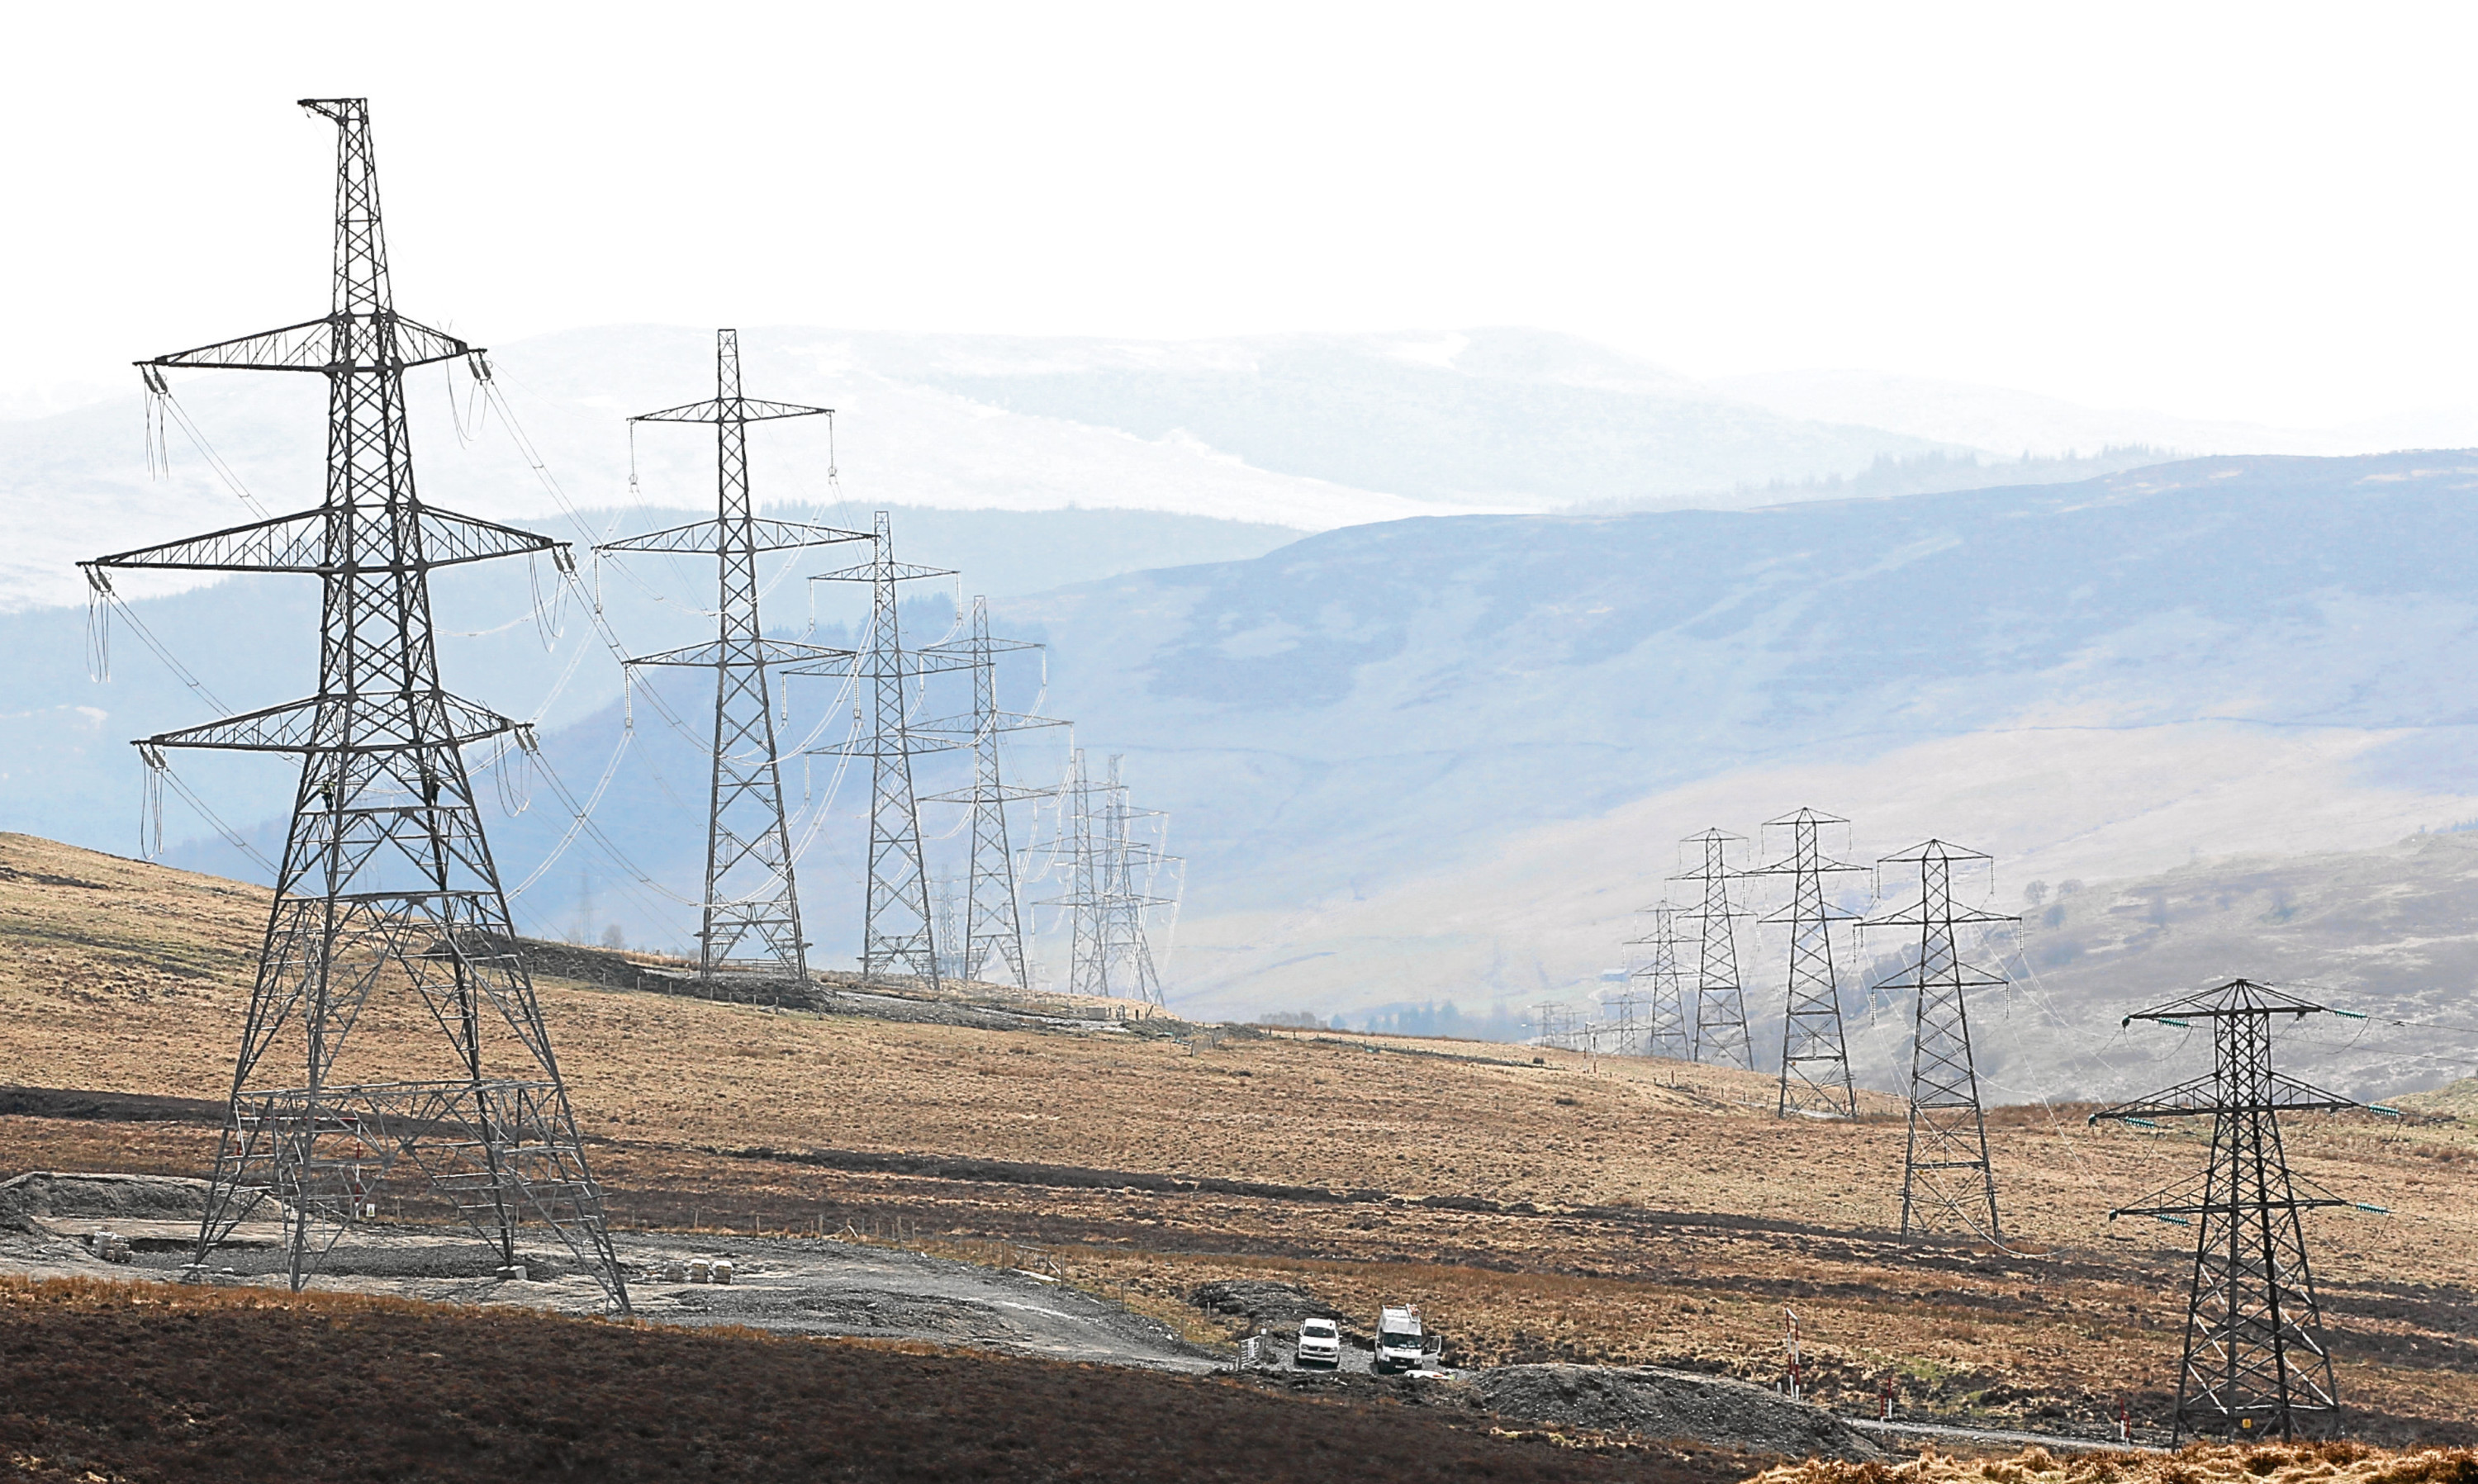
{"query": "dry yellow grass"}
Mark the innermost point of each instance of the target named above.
(123, 976)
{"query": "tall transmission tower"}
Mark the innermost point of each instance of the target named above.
(1815, 1058)
(897, 931)
(1720, 1002)
(1129, 866)
(1669, 1023)
(387, 890)
(1619, 1023)
(751, 912)
(1110, 887)
(2255, 1361)
(949, 910)
(1945, 1171)
(992, 927)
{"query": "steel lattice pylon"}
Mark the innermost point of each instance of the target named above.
(897, 930)
(1669, 1028)
(387, 890)
(1720, 1002)
(750, 898)
(1945, 1170)
(994, 925)
(2253, 1362)
(1111, 953)
(1815, 1058)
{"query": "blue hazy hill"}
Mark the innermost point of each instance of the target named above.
(1441, 760)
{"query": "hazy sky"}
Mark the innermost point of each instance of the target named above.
(2255, 211)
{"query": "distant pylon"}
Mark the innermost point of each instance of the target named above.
(1720, 1003)
(897, 928)
(750, 899)
(1110, 952)
(387, 900)
(1815, 1058)
(1128, 873)
(1619, 1023)
(1669, 1025)
(1946, 1172)
(993, 925)
(1083, 898)
(2255, 1361)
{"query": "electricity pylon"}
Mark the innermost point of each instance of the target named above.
(750, 898)
(1111, 954)
(387, 890)
(1815, 1058)
(993, 906)
(1668, 1024)
(897, 927)
(1945, 1170)
(1720, 1002)
(2255, 1361)
(1618, 1023)
(1124, 939)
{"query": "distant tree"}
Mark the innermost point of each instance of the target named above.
(2067, 888)
(613, 938)
(2035, 892)
(1300, 1019)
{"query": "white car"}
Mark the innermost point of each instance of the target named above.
(1320, 1344)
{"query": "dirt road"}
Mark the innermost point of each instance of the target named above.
(792, 1286)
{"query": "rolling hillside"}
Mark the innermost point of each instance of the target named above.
(1541, 1207)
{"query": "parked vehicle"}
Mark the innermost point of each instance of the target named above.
(1320, 1344)
(1400, 1340)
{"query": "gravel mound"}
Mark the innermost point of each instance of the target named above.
(1671, 1404)
(50, 1194)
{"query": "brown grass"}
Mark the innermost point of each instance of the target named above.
(1621, 1217)
(2273, 1463)
(144, 1382)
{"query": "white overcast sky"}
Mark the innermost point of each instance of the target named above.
(2260, 212)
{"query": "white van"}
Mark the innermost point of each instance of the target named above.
(1320, 1345)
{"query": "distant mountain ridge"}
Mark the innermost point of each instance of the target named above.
(1308, 432)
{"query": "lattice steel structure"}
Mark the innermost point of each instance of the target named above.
(1619, 1023)
(897, 930)
(751, 901)
(1946, 1177)
(387, 890)
(1555, 1023)
(994, 925)
(2254, 1361)
(1110, 877)
(1815, 1058)
(1669, 1024)
(1720, 1001)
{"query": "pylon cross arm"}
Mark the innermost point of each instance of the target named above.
(709, 538)
(312, 346)
(976, 644)
(883, 571)
(298, 543)
(732, 409)
(295, 727)
(990, 793)
(996, 721)
(769, 651)
(2204, 1095)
